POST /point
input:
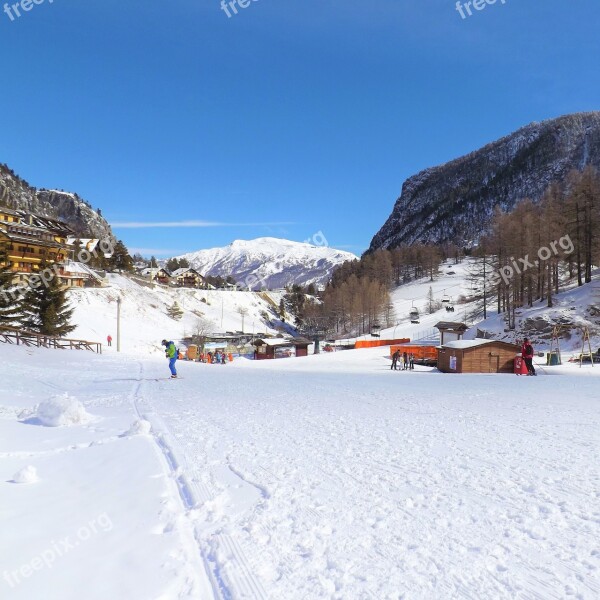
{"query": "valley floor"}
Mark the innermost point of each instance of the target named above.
(327, 477)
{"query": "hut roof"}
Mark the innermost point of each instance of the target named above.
(467, 344)
(451, 326)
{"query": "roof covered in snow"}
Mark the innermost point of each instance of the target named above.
(465, 344)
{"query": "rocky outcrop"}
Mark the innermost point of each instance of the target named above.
(16, 193)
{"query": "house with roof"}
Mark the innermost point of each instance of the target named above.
(188, 277)
(160, 275)
(77, 274)
(31, 242)
(270, 348)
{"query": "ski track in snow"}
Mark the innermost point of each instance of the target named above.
(237, 580)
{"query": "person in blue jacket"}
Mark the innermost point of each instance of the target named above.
(171, 354)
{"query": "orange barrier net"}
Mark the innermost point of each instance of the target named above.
(379, 343)
(419, 352)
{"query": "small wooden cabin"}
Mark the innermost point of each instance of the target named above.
(450, 331)
(280, 348)
(477, 356)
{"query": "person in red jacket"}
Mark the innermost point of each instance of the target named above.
(527, 354)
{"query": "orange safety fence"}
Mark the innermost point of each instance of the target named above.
(419, 352)
(379, 343)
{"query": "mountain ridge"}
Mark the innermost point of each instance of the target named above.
(274, 262)
(455, 201)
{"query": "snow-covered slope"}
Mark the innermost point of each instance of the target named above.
(580, 306)
(274, 262)
(144, 318)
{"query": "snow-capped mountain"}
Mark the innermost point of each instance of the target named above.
(274, 262)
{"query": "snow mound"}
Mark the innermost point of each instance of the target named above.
(26, 475)
(63, 410)
(141, 427)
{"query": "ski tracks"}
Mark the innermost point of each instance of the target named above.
(226, 572)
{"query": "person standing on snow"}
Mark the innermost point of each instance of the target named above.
(171, 354)
(395, 356)
(527, 354)
(109, 340)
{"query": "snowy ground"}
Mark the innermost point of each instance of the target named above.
(327, 477)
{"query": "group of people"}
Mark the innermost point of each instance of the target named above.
(404, 359)
(216, 358)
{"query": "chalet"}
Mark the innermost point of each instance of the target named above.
(160, 275)
(450, 331)
(270, 348)
(188, 277)
(77, 274)
(477, 356)
(31, 241)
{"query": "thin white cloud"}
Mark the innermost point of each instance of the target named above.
(178, 224)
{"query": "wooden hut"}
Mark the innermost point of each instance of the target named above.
(450, 331)
(270, 348)
(477, 356)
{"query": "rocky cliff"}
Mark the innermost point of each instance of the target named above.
(455, 201)
(16, 193)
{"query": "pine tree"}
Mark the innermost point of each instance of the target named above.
(174, 311)
(45, 309)
(120, 259)
(9, 308)
(430, 301)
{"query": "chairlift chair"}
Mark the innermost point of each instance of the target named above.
(376, 329)
(445, 298)
(414, 315)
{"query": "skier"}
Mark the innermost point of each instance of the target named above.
(109, 340)
(411, 361)
(171, 354)
(405, 361)
(527, 354)
(395, 356)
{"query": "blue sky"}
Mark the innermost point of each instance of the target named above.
(289, 118)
